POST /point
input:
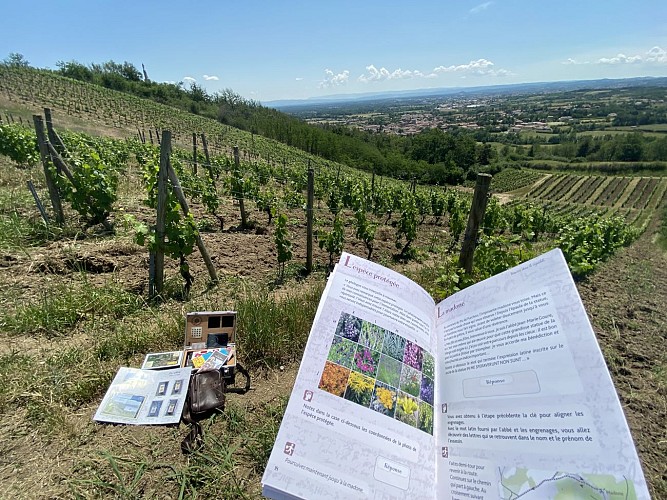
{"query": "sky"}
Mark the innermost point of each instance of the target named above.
(272, 50)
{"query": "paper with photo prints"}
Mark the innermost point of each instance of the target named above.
(145, 397)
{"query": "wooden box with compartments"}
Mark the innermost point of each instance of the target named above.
(210, 337)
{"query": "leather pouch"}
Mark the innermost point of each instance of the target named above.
(207, 392)
(206, 396)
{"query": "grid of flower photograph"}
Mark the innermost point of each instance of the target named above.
(380, 370)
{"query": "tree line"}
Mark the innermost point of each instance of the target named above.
(432, 156)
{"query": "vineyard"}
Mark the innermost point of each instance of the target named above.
(80, 296)
(636, 199)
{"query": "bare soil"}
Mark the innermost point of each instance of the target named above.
(626, 299)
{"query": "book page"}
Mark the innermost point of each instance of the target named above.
(359, 421)
(526, 405)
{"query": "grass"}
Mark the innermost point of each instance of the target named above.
(237, 445)
(273, 332)
(52, 389)
(61, 306)
(20, 223)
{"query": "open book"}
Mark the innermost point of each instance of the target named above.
(499, 391)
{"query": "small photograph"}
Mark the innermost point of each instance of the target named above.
(124, 405)
(410, 381)
(406, 409)
(428, 365)
(366, 361)
(349, 327)
(384, 399)
(371, 336)
(334, 379)
(426, 392)
(162, 389)
(425, 420)
(161, 360)
(342, 351)
(171, 407)
(389, 370)
(215, 360)
(154, 410)
(196, 358)
(359, 389)
(178, 387)
(413, 355)
(217, 340)
(393, 345)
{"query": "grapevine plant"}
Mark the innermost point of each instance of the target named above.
(19, 144)
(93, 189)
(180, 230)
(332, 241)
(407, 227)
(283, 244)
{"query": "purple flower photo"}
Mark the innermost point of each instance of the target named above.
(413, 355)
(366, 361)
(349, 327)
(426, 392)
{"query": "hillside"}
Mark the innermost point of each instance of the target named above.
(75, 305)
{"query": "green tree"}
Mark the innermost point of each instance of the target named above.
(15, 60)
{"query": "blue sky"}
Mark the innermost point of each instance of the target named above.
(267, 50)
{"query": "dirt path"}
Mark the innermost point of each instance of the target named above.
(626, 301)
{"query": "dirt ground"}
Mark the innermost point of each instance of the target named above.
(626, 299)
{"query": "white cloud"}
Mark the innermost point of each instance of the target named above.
(209, 78)
(189, 79)
(334, 80)
(620, 59)
(656, 55)
(480, 67)
(298, 78)
(480, 8)
(376, 75)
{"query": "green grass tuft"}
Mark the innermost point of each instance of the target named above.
(274, 331)
(63, 305)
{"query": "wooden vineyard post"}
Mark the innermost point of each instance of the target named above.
(194, 153)
(239, 193)
(309, 220)
(373, 184)
(38, 202)
(160, 225)
(479, 200)
(186, 210)
(204, 146)
(54, 138)
(50, 181)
